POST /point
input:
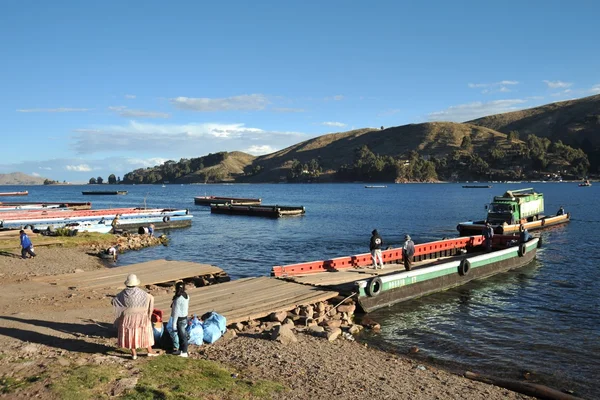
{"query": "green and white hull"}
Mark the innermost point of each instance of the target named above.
(385, 290)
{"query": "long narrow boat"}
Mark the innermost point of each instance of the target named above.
(477, 186)
(104, 192)
(36, 220)
(31, 206)
(208, 200)
(258, 211)
(438, 266)
(24, 193)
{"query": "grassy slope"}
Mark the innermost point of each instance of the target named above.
(570, 121)
(334, 150)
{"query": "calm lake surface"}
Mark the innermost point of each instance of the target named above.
(543, 318)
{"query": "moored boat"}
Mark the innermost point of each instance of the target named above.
(375, 186)
(585, 183)
(32, 206)
(208, 200)
(24, 193)
(506, 212)
(438, 265)
(259, 211)
(477, 186)
(104, 192)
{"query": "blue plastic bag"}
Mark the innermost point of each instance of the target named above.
(195, 331)
(214, 327)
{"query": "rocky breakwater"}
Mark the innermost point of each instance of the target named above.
(133, 241)
(331, 320)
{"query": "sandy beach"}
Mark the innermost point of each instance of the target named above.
(47, 330)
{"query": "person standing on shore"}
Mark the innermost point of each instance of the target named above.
(115, 223)
(488, 234)
(133, 310)
(26, 245)
(179, 312)
(375, 247)
(408, 251)
(151, 230)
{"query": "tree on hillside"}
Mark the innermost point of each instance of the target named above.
(112, 179)
(92, 181)
(99, 180)
(466, 142)
(512, 136)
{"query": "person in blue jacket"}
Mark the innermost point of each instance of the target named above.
(26, 245)
(524, 235)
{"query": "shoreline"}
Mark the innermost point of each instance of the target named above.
(43, 325)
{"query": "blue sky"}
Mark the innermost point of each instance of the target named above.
(93, 88)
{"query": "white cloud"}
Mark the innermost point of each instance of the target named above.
(387, 113)
(487, 85)
(334, 124)
(185, 140)
(557, 84)
(337, 97)
(494, 87)
(595, 89)
(466, 112)
(130, 96)
(245, 102)
(53, 110)
(288, 110)
(35, 174)
(45, 168)
(260, 150)
(78, 168)
(123, 111)
(147, 162)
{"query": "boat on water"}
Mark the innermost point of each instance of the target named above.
(585, 183)
(104, 192)
(258, 211)
(506, 212)
(128, 217)
(208, 200)
(24, 193)
(437, 266)
(477, 186)
(24, 206)
(375, 186)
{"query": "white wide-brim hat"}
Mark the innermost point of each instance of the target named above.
(132, 280)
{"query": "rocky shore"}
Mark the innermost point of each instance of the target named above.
(315, 351)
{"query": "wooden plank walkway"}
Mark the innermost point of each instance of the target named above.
(149, 273)
(247, 299)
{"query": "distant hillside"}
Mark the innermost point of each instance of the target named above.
(559, 139)
(18, 178)
(574, 122)
(437, 139)
(218, 167)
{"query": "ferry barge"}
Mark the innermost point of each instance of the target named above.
(438, 266)
(506, 212)
(208, 200)
(258, 211)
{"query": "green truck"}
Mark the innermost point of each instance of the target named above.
(514, 206)
(505, 213)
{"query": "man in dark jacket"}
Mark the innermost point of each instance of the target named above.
(408, 251)
(375, 247)
(26, 245)
(524, 235)
(488, 234)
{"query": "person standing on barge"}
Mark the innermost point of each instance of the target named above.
(375, 247)
(408, 251)
(488, 234)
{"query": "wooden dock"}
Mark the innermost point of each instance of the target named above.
(150, 273)
(249, 298)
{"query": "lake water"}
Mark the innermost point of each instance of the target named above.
(543, 318)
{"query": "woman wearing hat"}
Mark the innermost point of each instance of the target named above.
(133, 309)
